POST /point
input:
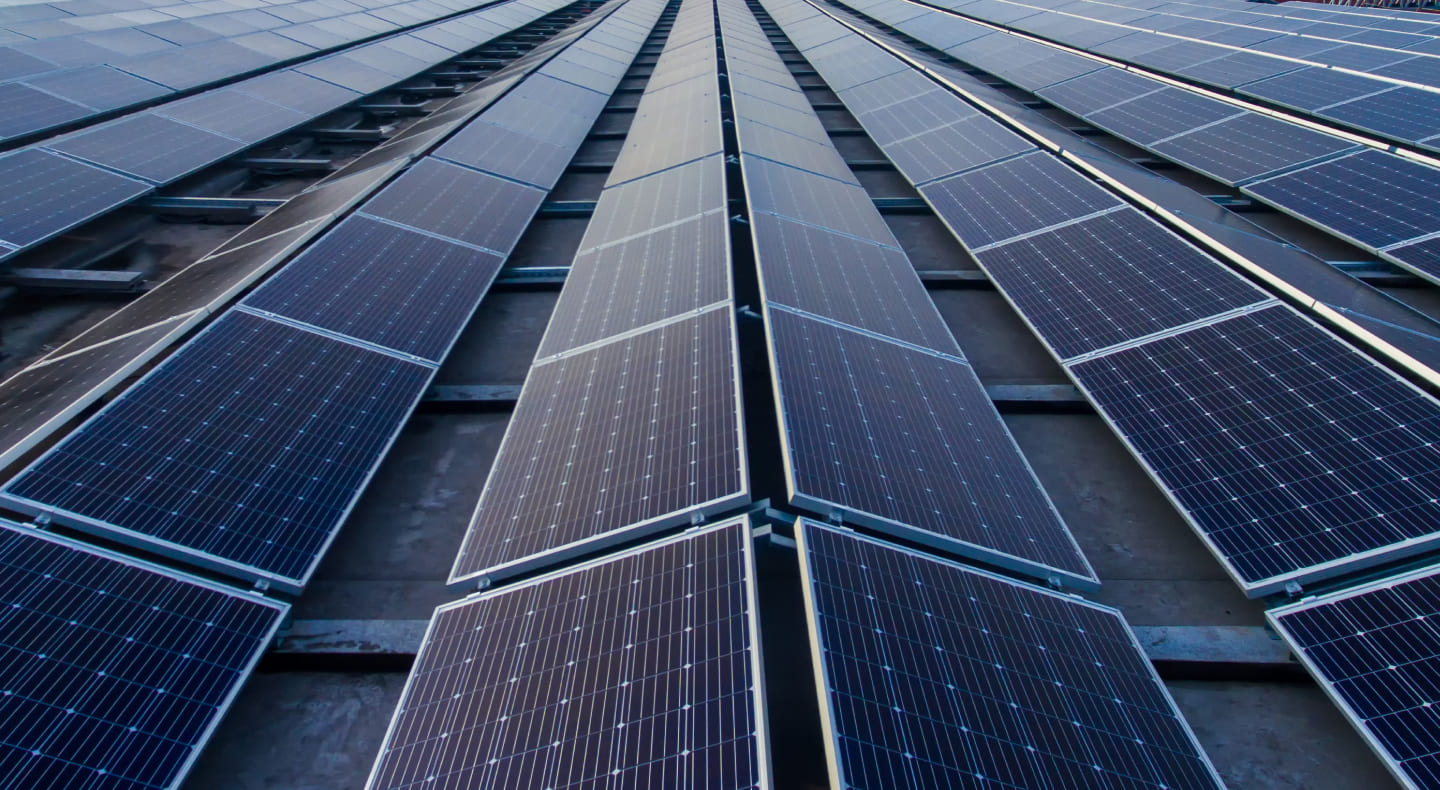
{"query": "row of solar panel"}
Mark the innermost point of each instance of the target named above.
(42, 397)
(1377, 199)
(1250, 416)
(629, 420)
(860, 356)
(62, 81)
(1297, 71)
(929, 672)
(246, 449)
(55, 186)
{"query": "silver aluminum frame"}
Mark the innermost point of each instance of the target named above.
(281, 609)
(1274, 617)
(804, 525)
(762, 737)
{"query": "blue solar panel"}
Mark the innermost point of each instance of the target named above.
(1406, 114)
(458, 203)
(1250, 146)
(46, 195)
(134, 145)
(24, 110)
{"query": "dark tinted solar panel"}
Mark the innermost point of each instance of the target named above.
(1250, 146)
(1096, 91)
(672, 126)
(1237, 69)
(800, 121)
(298, 92)
(1312, 88)
(1110, 279)
(508, 153)
(458, 203)
(942, 152)
(150, 147)
(909, 117)
(42, 397)
(24, 110)
(813, 199)
(383, 284)
(909, 443)
(1424, 256)
(1049, 70)
(642, 205)
(626, 285)
(1291, 452)
(15, 64)
(234, 114)
(932, 674)
(99, 87)
(757, 139)
(1162, 114)
(1407, 114)
(1373, 197)
(1425, 71)
(1376, 651)
(640, 670)
(348, 73)
(179, 69)
(847, 280)
(565, 481)
(115, 671)
(242, 452)
(46, 195)
(1014, 197)
(890, 90)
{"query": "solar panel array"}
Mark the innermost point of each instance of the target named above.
(115, 672)
(58, 184)
(1248, 415)
(629, 420)
(1374, 198)
(1375, 650)
(883, 421)
(246, 449)
(638, 670)
(932, 674)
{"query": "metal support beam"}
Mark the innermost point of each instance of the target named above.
(215, 209)
(289, 165)
(351, 135)
(395, 109)
(584, 208)
(1379, 273)
(99, 280)
(429, 91)
(450, 396)
(954, 280)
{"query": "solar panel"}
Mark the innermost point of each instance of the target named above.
(932, 674)
(1250, 146)
(611, 443)
(458, 203)
(758, 139)
(1049, 70)
(953, 149)
(673, 270)
(1375, 650)
(347, 73)
(1423, 256)
(1164, 113)
(849, 280)
(149, 147)
(644, 204)
(1014, 197)
(1096, 91)
(24, 110)
(1294, 456)
(234, 114)
(1407, 114)
(382, 284)
(638, 670)
(98, 87)
(806, 197)
(673, 126)
(298, 92)
(242, 453)
(115, 671)
(46, 195)
(1110, 279)
(1311, 88)
(1425, 71)
(895, 88)
(1373, 197)
(907, 442)
(897, 120)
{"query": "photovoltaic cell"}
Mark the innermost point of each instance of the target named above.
(458, 203)
(242, 452)
(908, 442)
(1407, 114)
(806, 197)
(647, 203)
(1373, 197)
(848, 280)
(1097, 90)
(134, 145)
(898, 120)
(1293, 454)
(1162, 114)
(98, 87)
(970, 143)
(114, 671)
(46, 195)
(1311, 88)
(672, 126)
(758, 139)
(638, 670)
(1250, 146)
(1422, 255)
(234, 114)
(612, 442)
(507, 153)
(932, 674)
(1375, 650)
(1014, 197)
(24, 110)
(648, 278)
(382, 284)
(1111, 279)
(298, 92)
